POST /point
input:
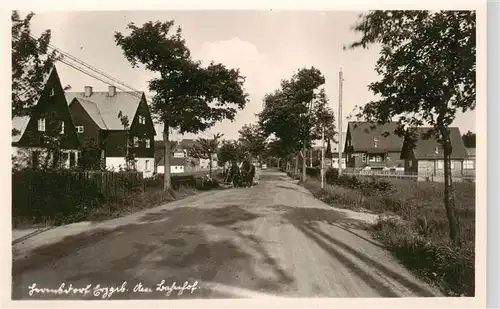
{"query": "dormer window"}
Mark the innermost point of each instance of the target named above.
(41, 125)
(436, 151)
(375, 142)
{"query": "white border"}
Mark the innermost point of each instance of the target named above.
(61, 5)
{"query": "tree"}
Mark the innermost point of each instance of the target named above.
(188, 97)
(428, 67)
(206, 149)
(31, 62)
(253, 140)
(129, 155)
(90, 158)
(469, 139)
(288, 113)
(228, 152)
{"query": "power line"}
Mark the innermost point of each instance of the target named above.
(68, 55)
(94, 76)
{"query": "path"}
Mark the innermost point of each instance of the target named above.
(274, 239)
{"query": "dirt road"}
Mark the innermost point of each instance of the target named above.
(274, 239)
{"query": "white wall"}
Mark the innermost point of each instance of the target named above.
(335, 163)
(175, 169)
(146, 166)
(114, 163)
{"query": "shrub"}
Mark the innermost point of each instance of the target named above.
(437, 261)
(313, 171)
(331, 175)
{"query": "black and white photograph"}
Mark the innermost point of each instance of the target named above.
(246, 154)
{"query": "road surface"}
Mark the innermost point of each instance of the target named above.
(271, 240)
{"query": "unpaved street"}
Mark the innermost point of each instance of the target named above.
(274, 239)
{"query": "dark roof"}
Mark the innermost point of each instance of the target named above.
(173, 161)
(20, 123)
(471, 152)
(187, 143)
(363, 136)
(104, 109)
(425, 146)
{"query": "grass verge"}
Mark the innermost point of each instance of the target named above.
(414, 226)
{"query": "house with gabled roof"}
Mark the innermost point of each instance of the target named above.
(49, 125)
(373, 146)
(97, 120)
(424, 156)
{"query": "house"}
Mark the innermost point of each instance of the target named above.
(470, 162)
(195, 164)
(373, 146)
(423, 154)
(48, 126)
(177, 165)
(97, 118)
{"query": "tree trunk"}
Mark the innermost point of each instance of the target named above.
(449, 200)
(304, 162)
(210, 165)
(296, 164)
(167, 184)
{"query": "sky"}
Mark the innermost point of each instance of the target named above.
(267, 46)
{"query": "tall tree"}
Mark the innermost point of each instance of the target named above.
(288, 112)
(253, 140)
(31, 62)
(228, 152)
(469, 139)
(428, 68)
(206, 149)
(188, 96)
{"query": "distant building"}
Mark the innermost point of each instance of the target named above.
(177, 166)
(373, 146)
(426, 157)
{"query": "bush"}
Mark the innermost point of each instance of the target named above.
(53, 195)
(437, 261)
(331, 175)
(313, 171)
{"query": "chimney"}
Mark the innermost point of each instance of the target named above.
(88, 91)
(111, 91)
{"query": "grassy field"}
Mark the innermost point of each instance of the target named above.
(416, 227)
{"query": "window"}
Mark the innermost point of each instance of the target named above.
(146, 165)
(363, 157)
(468, 165)
(62, 127)
(371, 158)
(79, 129)
(52, 92)
(41, 124)
(142, 119)
(410, 163)
(375, 142)
(440, 164)
(148, 143)
(136, 141)
(436, 150)
(378, 158)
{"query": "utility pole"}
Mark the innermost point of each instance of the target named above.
(323, 158)
(341, 79)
